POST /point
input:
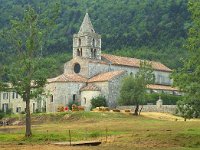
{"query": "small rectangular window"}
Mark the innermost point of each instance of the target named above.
(74, 97)
(51, 99)
(5, 95)
(33, 107)
(5, 107)
(16, 95)
(18, 109)
(13, 95)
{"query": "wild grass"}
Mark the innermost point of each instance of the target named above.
(121, 130)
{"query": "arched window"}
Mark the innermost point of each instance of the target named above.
(93, 43)
(92, 55)
(85, 100)
(95, 53)
(78, 52)
(77, 67)
(81, 52)
(79, 42)
(51, 98)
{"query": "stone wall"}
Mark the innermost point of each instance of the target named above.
(86, 97)
(62, 93)
(104, 86)
(69, 66)
(114, 90)
(96, 68)
(152, 108)
(111, 89)
(160, 76)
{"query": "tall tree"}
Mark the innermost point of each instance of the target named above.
(133, 88)
(26, 72)
(188, 77)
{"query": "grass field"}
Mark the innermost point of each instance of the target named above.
(148, 131)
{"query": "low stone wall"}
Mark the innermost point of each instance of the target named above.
(152, 108)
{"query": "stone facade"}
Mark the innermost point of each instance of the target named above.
(161, 77)
(114, 88)
(101, 72)
(95, 68)
(11, 100)
(70, 66)
(86, 97)
(60, 94)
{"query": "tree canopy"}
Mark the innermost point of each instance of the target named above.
(133, 88)
(147, 29)
(187, 78)
(28, 71)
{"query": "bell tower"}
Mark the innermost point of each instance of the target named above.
(87, 43)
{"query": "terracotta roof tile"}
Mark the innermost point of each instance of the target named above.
(127, 61)
(68, 78)
(161, 87)
(106, 76)
(90, 87)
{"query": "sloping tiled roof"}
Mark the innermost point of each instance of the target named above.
(67, 78)
(90, 87)
(133, 62)
(106, 76)
(161, 87)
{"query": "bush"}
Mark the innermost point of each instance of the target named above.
(167, 99)
(2, 114)
(72, 103)
(98, 102)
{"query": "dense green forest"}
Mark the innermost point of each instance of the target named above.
(147, 29)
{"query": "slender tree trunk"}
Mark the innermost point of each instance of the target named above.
(28, 116)
(136, 109)
(140, 109)
(185, 119)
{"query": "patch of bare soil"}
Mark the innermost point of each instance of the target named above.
(164, 116)
(40, 147)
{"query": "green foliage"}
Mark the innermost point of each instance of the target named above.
(133, 88)
(27, 73)
(2, 114)
(187, 78)
(149, 29)
(186, 111)
(71, 103)
(98, 102)
(5, 114)
(167, 99)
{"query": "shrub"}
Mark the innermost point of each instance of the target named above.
(2, 114)
(98, 102)
(167, 99)
(72, 103)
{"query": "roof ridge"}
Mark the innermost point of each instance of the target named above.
(134, 62)
(107, 75)
(92, 86)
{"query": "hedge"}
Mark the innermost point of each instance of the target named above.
(167, 99)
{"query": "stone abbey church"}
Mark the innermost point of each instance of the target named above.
(89, 74)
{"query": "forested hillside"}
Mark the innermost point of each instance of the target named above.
(148, 29)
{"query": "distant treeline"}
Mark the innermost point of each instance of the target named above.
(147, 29)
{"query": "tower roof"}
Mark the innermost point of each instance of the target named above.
(86, 25)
